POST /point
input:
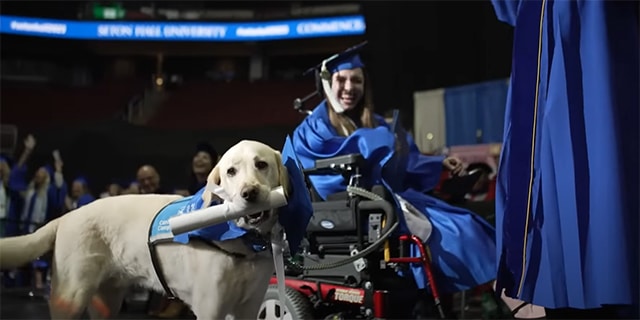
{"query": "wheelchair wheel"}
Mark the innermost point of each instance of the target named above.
(297, 305)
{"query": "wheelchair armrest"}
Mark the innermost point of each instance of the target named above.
(341, 165)
(458, 186)
(340, 162)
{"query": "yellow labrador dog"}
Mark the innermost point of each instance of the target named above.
(101, 249)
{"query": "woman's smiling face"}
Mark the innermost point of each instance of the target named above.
(348, 87)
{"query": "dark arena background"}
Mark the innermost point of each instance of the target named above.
(94, 83)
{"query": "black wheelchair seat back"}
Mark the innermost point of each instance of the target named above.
(336, 226)
(345, 165)
(337, 205)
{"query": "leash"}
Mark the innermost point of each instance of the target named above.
(229, 210)
(277, 247)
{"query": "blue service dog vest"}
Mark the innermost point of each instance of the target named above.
(160, 229)
(160, 232)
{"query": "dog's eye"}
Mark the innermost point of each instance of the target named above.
(231, 172)
(261, 165)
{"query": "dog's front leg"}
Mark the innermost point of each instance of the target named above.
(250, 308)
(210, 301)
(211, 309)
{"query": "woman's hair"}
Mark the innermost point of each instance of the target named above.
(364, 110)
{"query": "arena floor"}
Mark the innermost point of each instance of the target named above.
(18, 304)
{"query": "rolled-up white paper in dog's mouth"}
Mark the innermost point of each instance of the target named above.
(224, 212)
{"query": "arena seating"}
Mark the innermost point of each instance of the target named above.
(44, 106)
(235, 104)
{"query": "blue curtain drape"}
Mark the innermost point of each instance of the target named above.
(475, 107)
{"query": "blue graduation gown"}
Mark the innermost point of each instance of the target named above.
(462, 244)
(55, 198)
(17, 184)
(85, 199)
(54, 209)
(567, 191)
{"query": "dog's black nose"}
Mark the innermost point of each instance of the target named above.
(250, 194)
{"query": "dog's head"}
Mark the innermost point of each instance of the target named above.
(248, 172)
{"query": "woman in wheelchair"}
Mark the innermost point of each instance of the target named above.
(462, 244)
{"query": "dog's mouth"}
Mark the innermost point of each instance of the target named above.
(256, 218)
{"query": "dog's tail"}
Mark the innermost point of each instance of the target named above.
(18, 251)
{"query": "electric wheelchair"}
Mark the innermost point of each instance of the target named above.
(354, 263)
(352, 257)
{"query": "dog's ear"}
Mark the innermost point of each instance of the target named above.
(283, 174)
(213, 178)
